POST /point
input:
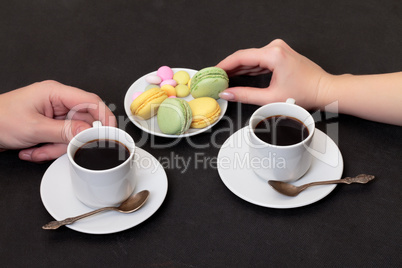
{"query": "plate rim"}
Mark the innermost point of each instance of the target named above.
(127, 102)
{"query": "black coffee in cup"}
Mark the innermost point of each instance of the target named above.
(281, 130)
(101, 154)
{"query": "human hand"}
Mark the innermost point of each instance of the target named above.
(293, 76)
(47, 113)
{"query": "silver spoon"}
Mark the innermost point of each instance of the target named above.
(291, 190)
(131, 204)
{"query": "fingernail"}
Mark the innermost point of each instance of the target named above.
(78, 130)
(25, 156)
(227, 95)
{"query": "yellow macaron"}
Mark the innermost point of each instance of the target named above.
(182, 91)
(181, 77)
(206, 111)
(146, 105)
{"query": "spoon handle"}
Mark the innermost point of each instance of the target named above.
(362, 178)
(316, 183)
(56, 224)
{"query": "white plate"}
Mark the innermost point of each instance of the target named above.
(238, 176)
(151, 125)
(59, 199)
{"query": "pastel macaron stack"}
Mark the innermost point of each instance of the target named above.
(209, 82)
(175, 84)
(174, 116)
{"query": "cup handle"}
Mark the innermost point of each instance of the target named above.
(97, 124)
(291, 101)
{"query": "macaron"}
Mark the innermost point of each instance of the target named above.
(181, 77)
(174, 116)
(165, 72)
(209, 82)
(146, 105)
(170, 90)
(205, 110)
(182, 91)
(136, 94)
(171, 82)
(151, 86)
(153, 79)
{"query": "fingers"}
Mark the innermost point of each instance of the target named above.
(57, 131)
(243, 60)
(86, 117)
(274, 58)
(255, 61)
(257, 96)
(248, 70)
(92, 111)
(79, 101)
(44, 153)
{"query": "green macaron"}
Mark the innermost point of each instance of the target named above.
(174, 116)
(209, 82)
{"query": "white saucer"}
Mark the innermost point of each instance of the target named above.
(59, 199)
(151, 125)
(238, 176)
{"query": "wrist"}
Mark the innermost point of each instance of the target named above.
(324, 88)
(330, 90)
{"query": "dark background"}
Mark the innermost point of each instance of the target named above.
(104, 46)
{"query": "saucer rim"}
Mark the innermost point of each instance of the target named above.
(326, 189)
(159, 184)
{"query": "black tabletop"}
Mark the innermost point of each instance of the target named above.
(104, 46)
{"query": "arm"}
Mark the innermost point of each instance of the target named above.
(374, 97)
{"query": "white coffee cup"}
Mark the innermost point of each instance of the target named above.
(274, 162)
(102, 188)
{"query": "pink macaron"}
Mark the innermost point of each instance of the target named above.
(153, 79)
(171, 82)
(165, 72)
(136, 94)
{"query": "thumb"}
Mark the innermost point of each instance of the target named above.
(60, 131)
(250, 95)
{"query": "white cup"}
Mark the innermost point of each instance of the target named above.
(274, 162)
(102, 188)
